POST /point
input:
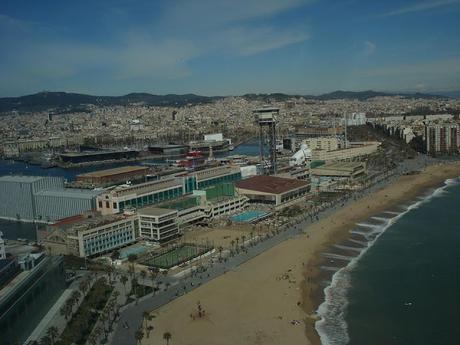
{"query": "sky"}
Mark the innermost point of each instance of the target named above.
(228, 47)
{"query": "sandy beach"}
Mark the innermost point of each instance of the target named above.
(270, 299)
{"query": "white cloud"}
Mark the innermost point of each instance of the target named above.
(422, 6)
(370, 48)
(211, 13)
(249, 41)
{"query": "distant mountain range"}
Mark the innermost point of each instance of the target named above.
(67, 102)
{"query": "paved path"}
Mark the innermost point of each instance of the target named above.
(131, 315)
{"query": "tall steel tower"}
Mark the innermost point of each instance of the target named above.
(266, 119)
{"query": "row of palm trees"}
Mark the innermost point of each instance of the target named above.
(51, 336)
(107, 317)
(145, 329)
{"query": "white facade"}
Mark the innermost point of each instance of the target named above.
(158, 224)
(356, 119)
(323, 143)
(214, 137)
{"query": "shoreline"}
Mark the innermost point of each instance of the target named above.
(378, 202)
(270, 298)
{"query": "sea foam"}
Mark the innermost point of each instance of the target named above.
(332, 327)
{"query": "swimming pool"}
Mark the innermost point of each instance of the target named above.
(249, 216)
(124, 253)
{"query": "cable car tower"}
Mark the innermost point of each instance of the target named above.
(266, 118)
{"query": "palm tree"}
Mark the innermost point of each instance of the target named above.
(115, 255)
(75, 296)
(52, 332)
(132, 259)
(167, 337)
(145, 317)
(153, 276)
(220, 249)
(143, 276)
(148, 330)
(46, 340)
(124, 280)
(139, 335)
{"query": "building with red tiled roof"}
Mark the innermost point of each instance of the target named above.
(276, 191)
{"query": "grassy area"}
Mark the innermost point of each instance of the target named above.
(176, 256)
(82, 322)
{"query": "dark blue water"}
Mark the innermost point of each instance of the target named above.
(405, 289)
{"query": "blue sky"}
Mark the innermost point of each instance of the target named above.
(221, 47)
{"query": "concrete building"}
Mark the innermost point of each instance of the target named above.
(90, 234)
(303, 132)
(337, 175)
(123, 197)
(17, 195)
(324, 143)
(54, 204)
(356, 119)
(355, 151)
(26, 299)
(112, 176)
(275, 191)
(442, 139)
(209, 177)
(158, 224)
(42, 199)
(207, 204)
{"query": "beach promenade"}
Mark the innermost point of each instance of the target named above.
(264, 296)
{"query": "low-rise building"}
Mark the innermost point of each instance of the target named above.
(117, 199)
(90, 234)
(42, 198)
(337, 175)
(355, 151)
(112, 176)
(158, 224)
(275, 191)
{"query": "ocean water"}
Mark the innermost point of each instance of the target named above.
(403, 286)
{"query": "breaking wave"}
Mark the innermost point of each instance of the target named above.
(332, 327)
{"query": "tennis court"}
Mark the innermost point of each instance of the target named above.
(176, 256)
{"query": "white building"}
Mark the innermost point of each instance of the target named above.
(356, 119)
(158, 224)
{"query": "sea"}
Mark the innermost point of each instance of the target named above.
(402, 287)
(14, 230)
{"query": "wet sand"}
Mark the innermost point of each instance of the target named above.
(258, 302)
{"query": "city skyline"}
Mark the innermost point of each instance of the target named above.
(229, 47)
